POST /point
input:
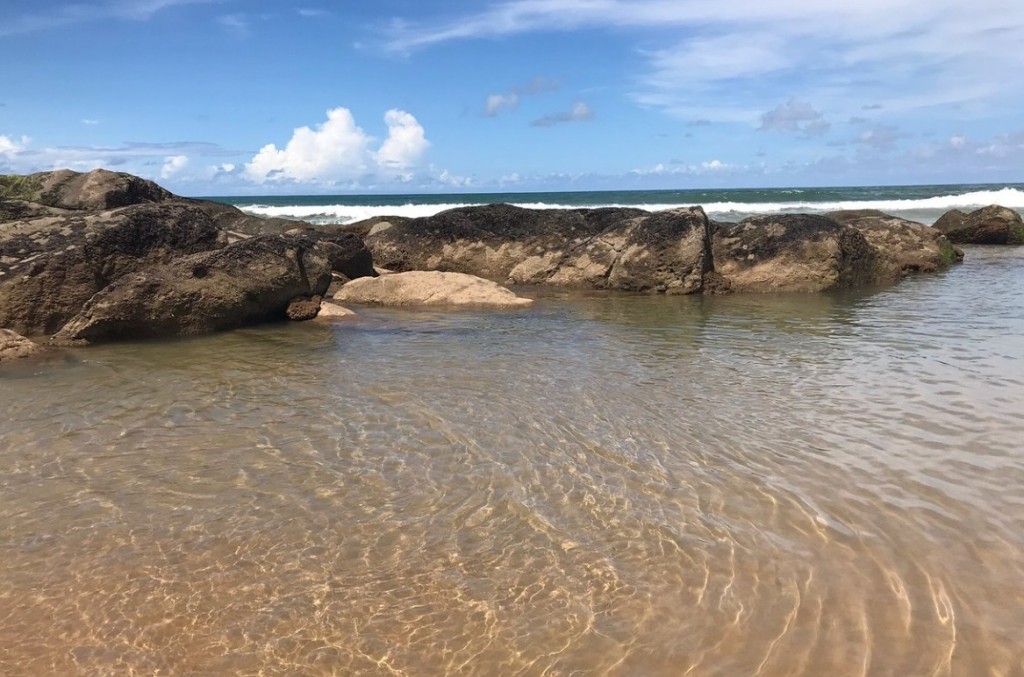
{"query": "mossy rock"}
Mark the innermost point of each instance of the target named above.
(18, 187)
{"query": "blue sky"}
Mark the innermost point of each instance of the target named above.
(213, 97)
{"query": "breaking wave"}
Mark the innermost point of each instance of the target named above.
(921, 208)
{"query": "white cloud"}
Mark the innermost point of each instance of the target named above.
(11, 146)
(307, 13)
(794, 117)
(406, 143)
(499, 103)
(173, 165)
(76, 13)
(448, 179)
(880, 137)
(339, 150)
(676, 168)
(580, 112)
(904, 54)
(90, 122)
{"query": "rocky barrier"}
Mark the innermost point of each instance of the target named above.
(678, 251)
(106, 256)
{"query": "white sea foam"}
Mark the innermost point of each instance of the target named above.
(924, 208)
(1007, 197)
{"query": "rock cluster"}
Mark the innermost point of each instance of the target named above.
(106, 256)
(678, 251)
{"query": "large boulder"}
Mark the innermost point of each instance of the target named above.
(97, 190)
(626, 249)
(988, 225)
(14, 346)
(903, 247)
(793, 253)
(248, 282)
(348, 254)
(429, 288)
(52, 265)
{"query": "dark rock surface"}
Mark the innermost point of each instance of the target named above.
(301, 309)
(348, 254)
(793, 252)
(988, 225)
(247, 282)
(675, 251)
(904, 247)
(627, 249)
(50, 266)
(61, 244)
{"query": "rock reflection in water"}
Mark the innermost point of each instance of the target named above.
(600, 484)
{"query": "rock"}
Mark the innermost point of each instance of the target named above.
(429, 288)
(793, 252)
(348, 254)
(302, 308)
(233, 220)
(903, 247)
(626, 249)
(332, 312)
(14, 346)
(51, 266)
(379, 227)
(18, 210)
(367, 227)
(97, 190)
(988, 225)
(247, 282)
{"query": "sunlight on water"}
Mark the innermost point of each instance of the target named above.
(603, 484)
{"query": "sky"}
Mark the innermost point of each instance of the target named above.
(259, 97)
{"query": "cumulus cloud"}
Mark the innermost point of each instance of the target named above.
(406, 143)
(580, 112)
(173, 165)
(794, 117)
(339, 150)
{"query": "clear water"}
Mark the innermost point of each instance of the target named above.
(601, 484)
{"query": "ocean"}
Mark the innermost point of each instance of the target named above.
(917, 203)
(601, 484)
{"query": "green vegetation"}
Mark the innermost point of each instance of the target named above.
(17, 187)
(948, 253)
(1016, 234)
